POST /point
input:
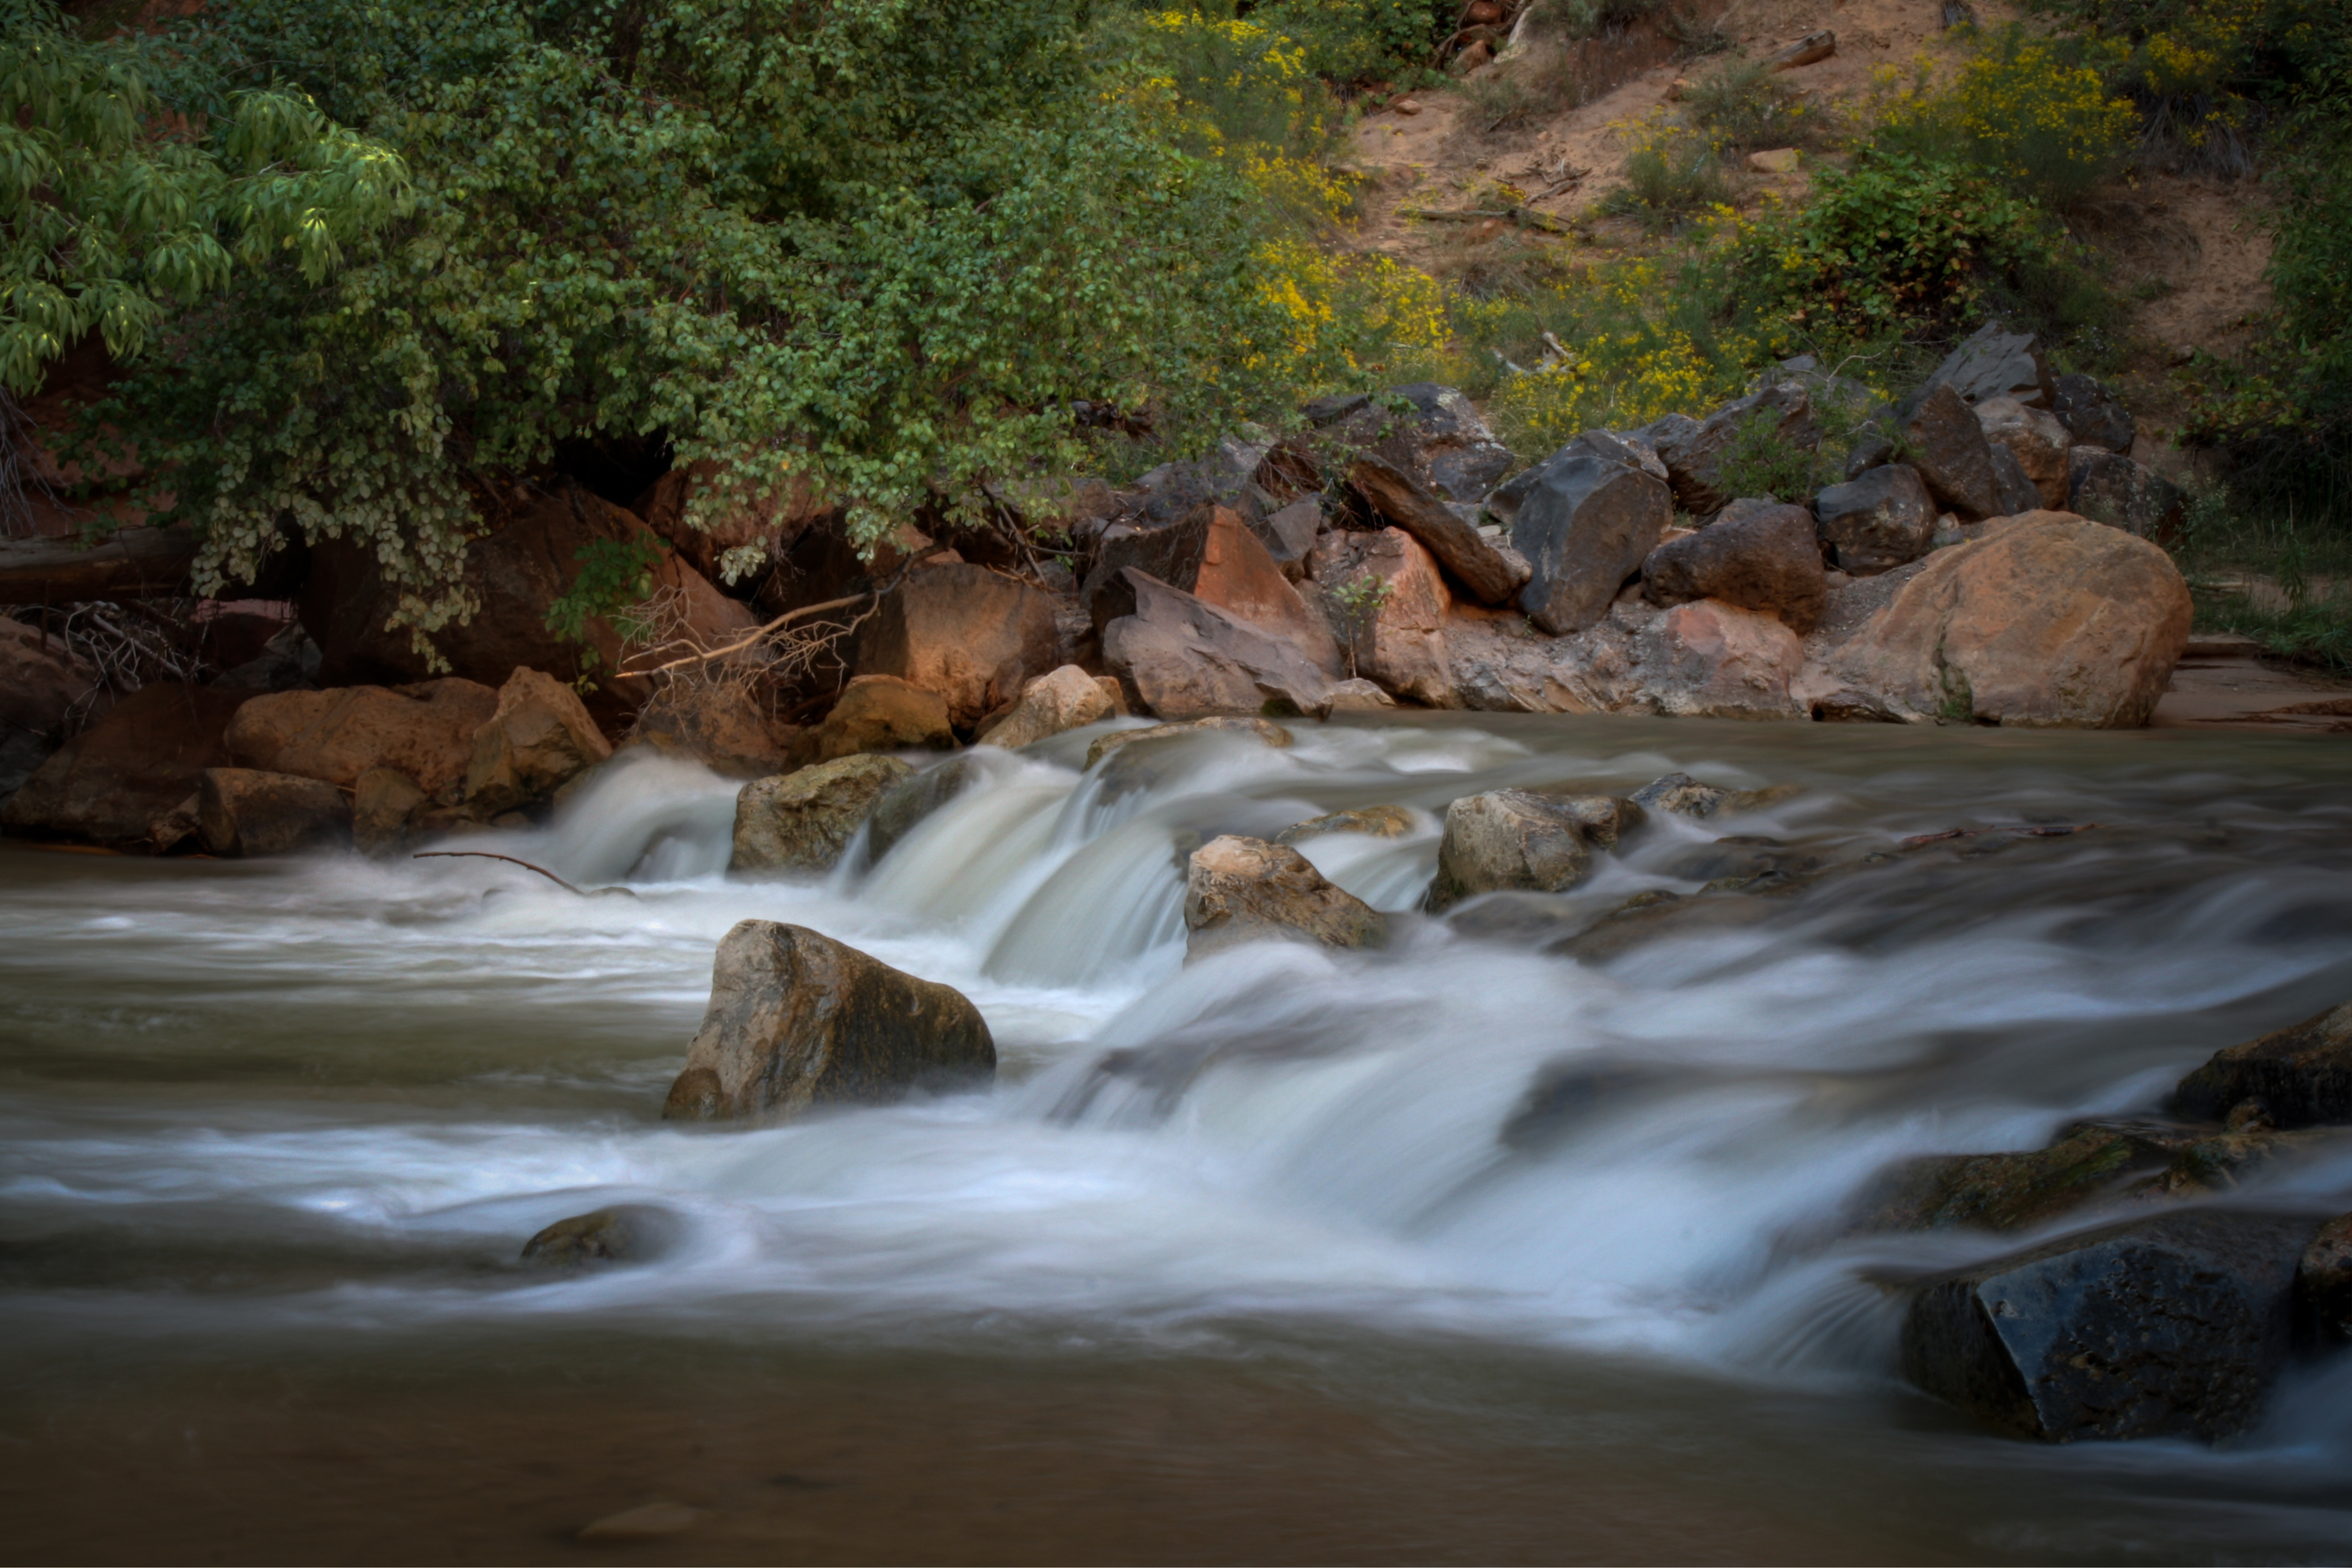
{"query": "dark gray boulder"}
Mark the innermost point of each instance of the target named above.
(2012, 484)
(1585, 524)
(1996, 362)
(2302, 1075)
(2092, 414)
(1449, 448)
(2176, 1325)
(2110, 488)
(1878, 522)
(798, 1020)
(1288, 534)
(1769, 558)
(1947, 446)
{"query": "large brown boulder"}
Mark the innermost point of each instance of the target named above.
(798, 1020)
(1240, 890)
(1708, 659)
(2048, 619)
(516, 571)
(769, 523)
(877, 712)
(426, 731)
(1585, 523)
(1187, 659)
(803, 822)
(718, 723)
(1768, 561)
(40, 679)
(242, 811)
(1400, 643)
(962, 631)
(538, 740)
(2303, 1075)
(109, 784)
(1949, 448)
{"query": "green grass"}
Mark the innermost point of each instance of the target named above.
(2309, 562)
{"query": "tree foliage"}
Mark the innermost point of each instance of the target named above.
(874, 246)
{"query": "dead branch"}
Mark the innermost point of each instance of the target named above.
(487, 855)
(1524, 217)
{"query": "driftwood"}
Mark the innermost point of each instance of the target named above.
(488, 855)
(134, 563)
(1491, 577)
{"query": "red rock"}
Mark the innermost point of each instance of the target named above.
(426, 731)
(245, 813)
(1711, 660)
(1401, 644)
(539, 740)
(109, 784)
(876, 713)
(970, 635)
(1188, 659)
(40, 678)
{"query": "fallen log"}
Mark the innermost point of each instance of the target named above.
(135, 563)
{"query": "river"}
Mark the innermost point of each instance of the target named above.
(1254, 1259)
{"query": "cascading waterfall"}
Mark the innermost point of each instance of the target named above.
(407, 1069)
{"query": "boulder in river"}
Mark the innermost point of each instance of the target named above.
(1511, 839)
(2303, 1075)
(426, 730)
(1062, 699)
(1375, 821)
(1767, 559)
(801, 821)
(970, 635)
(385, 803)
(2046, 620)
(2176, 1325)
(625, 1233)
(245, 812)
(2322, 1283)
(109, 784)
(539, 738)
(1240, 890)
(1683, 796)
(798, 1020)
(2014, 1191)
(1881, 520)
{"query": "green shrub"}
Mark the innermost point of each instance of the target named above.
(1353, 41)
(1746, 105)
(2032, 112)
(1671, 173)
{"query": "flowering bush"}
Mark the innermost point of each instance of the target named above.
(2032, 110)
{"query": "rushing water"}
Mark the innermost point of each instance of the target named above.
(1237, 1261)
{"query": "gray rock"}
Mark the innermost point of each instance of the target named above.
(2109, 488)
(1585, 524)
(1240, 890)
(1949, 448)
(2092, 414)
(2012, 484)
(799, 1020)
(625, 1233)
(1188, 659)
(1511, 839)
(1288, 534)
(1995, 362)
(245, 812)
(2174, 1325)
(1453, 451)
(2322, 1283)
(803, 822)
(1878, 522)
(1377, 821)
(1683, 796)
(2303, 1075)
(1767, 558)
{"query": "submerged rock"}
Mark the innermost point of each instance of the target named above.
(2176, 1325)
(2014, 1191)
(618, 1235)
(2303, 1075)
(1240, 890)
(902, 807)
(798, 1020)
(1378, 821)
(803, 822)
(1109, 746)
